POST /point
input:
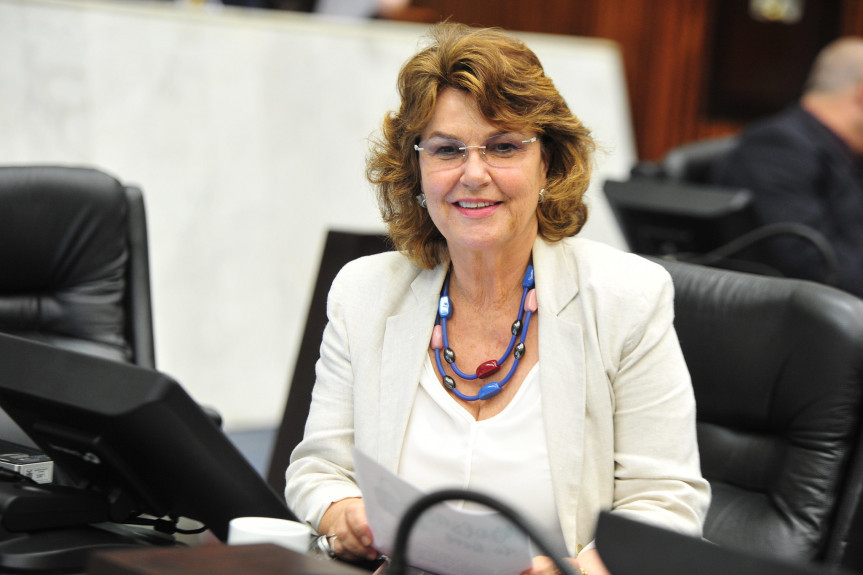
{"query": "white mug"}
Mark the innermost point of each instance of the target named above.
(290, 534)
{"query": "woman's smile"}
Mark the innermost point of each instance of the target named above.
(478, 204)
(476, 208)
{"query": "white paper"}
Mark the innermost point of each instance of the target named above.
(444, 540)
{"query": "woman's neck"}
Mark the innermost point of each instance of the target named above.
(488, 279)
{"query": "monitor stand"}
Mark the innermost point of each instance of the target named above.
(67, 550)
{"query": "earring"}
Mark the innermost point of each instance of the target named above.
(421, 198)
(541, 196)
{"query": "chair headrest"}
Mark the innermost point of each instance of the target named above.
(63, 252)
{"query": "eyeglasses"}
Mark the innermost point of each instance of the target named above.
(499, 152)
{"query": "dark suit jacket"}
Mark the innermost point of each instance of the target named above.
(800, 171)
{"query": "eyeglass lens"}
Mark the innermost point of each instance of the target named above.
(500, 151)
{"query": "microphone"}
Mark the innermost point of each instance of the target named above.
(399, 565)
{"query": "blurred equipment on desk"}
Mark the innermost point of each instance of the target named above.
(632, 548)
(134, 454)
(671, 209)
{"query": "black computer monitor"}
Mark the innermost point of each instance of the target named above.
(130, 435)
(662, 218)
(629, 547)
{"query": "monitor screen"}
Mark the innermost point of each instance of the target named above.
(130, 434)
(659, 217)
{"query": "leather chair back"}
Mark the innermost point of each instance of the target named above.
(777, 368)
(693, 162)
(74, 267)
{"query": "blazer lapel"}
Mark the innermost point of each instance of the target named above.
(405, 345)
(562, 376)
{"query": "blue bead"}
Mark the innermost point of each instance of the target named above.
(528, 280)
(444, 310)
(489, 390)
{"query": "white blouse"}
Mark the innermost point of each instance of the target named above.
(505, 456)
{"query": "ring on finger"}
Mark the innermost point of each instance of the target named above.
(326, 544)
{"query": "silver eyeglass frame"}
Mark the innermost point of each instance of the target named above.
(464, 149)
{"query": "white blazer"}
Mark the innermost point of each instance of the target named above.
(616, 395)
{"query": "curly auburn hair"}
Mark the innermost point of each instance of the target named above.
(512, 91)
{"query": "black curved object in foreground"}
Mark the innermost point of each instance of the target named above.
(399, 559)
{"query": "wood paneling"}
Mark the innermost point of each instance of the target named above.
(666, 46)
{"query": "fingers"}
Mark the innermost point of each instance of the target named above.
(542, 566)
(545, 566)
(590, 563)
(353, 533)
(358, 524)
(353, 536)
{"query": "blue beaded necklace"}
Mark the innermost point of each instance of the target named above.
(440, 341)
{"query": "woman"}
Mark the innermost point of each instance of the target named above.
(585, 404)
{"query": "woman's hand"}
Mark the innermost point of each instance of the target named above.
(346, 519)
(588, 563)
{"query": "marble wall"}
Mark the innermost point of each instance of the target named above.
(247, 131)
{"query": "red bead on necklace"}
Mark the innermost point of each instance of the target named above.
(487, 368)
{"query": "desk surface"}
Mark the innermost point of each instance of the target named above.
(265, 559)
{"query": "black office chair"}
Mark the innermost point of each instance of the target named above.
(691, 162)
(694, 161)
(777, 368)
(74, 264)
(340, 248)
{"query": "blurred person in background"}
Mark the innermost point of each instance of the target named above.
(804, 166)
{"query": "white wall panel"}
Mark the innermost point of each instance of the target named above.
(247, 131)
